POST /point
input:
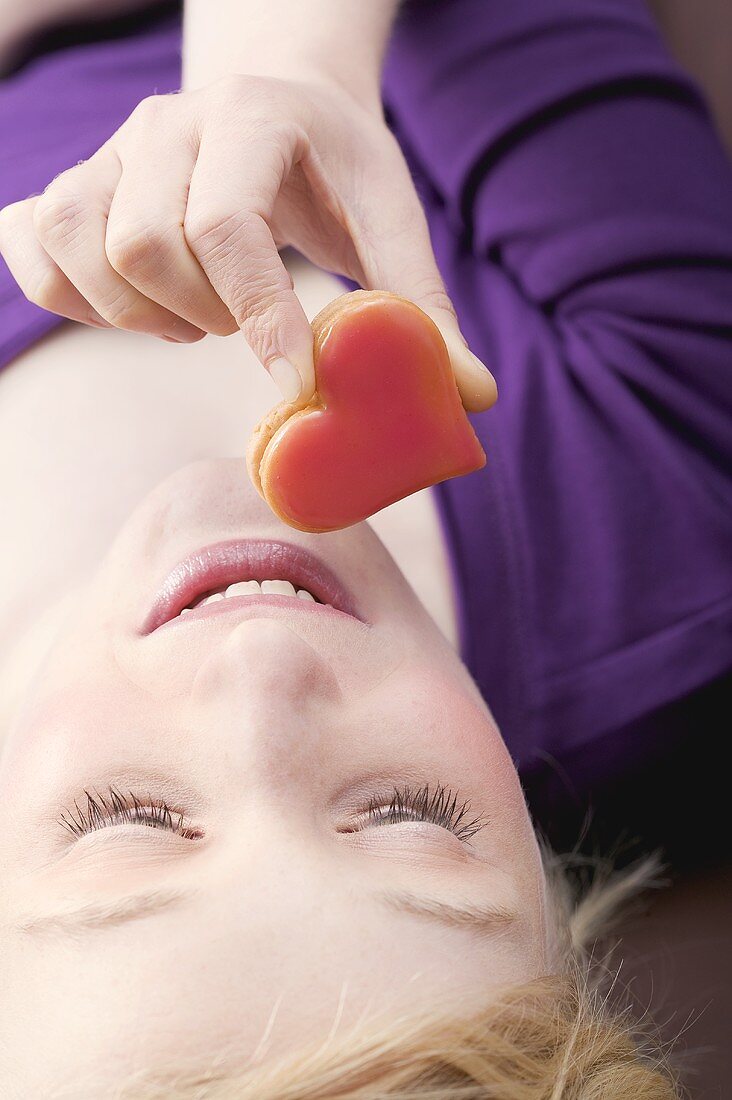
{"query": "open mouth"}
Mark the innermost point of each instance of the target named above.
(220, 577)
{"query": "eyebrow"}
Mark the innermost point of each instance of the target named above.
(104, 914)
(486, 918)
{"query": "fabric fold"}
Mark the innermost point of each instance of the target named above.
(460, 78)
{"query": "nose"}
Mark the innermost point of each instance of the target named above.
(264, 659)
(269, 703)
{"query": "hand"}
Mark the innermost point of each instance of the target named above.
(173, 226)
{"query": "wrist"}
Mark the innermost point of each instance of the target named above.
(300, 70)
(340, 43)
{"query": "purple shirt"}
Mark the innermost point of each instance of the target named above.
(581, 211)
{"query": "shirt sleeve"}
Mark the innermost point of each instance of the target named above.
(581, 209)
(58, 109)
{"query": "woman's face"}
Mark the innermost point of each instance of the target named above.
(283, 909)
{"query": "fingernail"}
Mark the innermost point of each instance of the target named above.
(286, 378)
(458, 348)
(478, 363)
(186, 335)
(486, 376)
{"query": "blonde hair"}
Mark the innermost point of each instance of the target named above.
(560, 1037)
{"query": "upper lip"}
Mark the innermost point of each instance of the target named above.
(224, 563)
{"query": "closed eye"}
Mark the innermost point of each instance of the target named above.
(439, 805)
(101, 811)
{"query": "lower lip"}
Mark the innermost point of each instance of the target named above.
(231, 604)
(224, 563)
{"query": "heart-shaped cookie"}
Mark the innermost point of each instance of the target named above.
(385, 420)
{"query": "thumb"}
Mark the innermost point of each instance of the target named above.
(396, 255)
(475, 383)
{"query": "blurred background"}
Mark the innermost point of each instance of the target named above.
(679, 950)
(699, 33)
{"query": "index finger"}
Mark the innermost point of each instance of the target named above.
(230, 202)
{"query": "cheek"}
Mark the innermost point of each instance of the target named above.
(452, 714)
(60, 709)
(451, 709)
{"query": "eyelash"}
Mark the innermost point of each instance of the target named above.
(438, 805)
(115, 808)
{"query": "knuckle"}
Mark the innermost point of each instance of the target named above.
(433, 295)
(144, 249)
(287, 137)
(264, 317)
(8, 212)
(119, 308)
(58, 216)
(211, 232)
(259, 331)
(45, 289)
(8, 218)
(260, 305)
(149, 109)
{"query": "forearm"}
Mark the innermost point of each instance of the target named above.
(343, 40)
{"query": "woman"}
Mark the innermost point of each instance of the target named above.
(337, 822)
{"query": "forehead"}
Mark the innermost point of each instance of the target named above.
(209, 976)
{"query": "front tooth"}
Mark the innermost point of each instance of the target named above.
(244, 588)
(279, 588)
(213, 597)
(305, 595)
